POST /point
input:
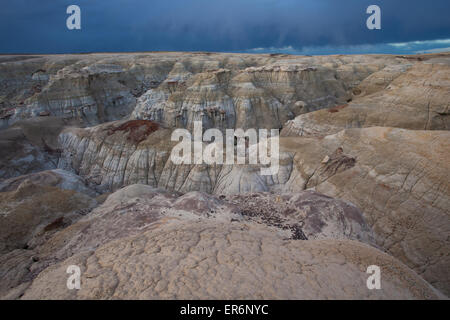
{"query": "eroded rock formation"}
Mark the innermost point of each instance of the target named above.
(363, 176)
(411, 97)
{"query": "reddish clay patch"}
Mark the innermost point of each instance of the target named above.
(55, 224)
(138, 130)
(337, 108)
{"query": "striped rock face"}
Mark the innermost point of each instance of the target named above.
(87, 178)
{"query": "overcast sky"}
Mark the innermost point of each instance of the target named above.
(290, 26)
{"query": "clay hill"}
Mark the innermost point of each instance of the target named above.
(86, 177)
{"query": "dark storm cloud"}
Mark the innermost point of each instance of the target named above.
(212, 25)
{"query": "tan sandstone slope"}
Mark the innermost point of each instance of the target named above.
(417, 98)
(400, 180)
(145, 243)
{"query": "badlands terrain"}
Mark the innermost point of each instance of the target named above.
(86, 177)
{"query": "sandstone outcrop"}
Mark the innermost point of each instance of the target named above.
(398, 178)
(136, 209)
(222, 90)
(416, 98)
(213, 260)
(109, 158)
(410, 186)
(90, 89)
(257, 96)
